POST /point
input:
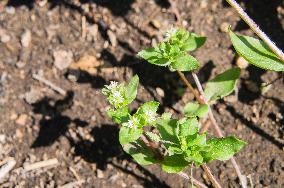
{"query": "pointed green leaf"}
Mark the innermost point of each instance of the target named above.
(153, 56)
(193, 42)
(222, 85)
(196, 140)
(184, 63)
(119, 115)
(140, 153)
(195, 109)
(188, 127)
(174, 163)
(167, 128)
(127, 135)
(131, 89)
(256, 52)
(193, 156)
(223, 148)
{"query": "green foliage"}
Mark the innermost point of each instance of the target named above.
(256, 52)
(119, 115)
(175, 143)
(173, 51)
(223, 148)
(127, 135)
(174, 163)
(222, 85)
(195, 109)
(142, 154)
(131, 89)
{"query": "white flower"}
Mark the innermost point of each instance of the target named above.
(150, 116)
(117, 97)
(132, 123)
(170, 33)
(113, 85)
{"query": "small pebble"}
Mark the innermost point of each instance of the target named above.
(242, 63)
(160, 92)
(5, 38)
(2, 138)
(112, 38)
(10, 10)
(224, 27)
(62, 59)
(26, 38)
(22, 119)
(100, 174)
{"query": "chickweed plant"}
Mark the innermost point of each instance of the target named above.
(172, 143)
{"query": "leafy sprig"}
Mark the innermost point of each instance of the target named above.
(179, 140)
(173, 51)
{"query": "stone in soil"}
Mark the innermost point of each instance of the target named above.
(62, 59)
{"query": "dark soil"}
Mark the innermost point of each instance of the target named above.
(37, 123)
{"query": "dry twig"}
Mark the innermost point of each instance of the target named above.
(49, 84)
(41, 164)
(6, 166)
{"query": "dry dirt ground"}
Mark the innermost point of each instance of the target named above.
(103, 37)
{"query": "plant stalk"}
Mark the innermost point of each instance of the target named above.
(256, 29)
(242, 178)
(211, 176)
(194, 181)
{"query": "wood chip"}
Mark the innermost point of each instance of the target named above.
(41, 164)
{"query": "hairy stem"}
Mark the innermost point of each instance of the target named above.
(242, 178)
(256, 29)
(211, 176)
(193, 180)
(195, 93)
(201, 101)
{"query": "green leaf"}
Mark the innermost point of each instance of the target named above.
(195, 109)
(193, 156)
(167, 129)
(154, 137)
(174, 163)
(256, 52)
(118, 116)
(223, 148)
(127, 135)
(174, 150)
(153, 56)
(184, 63)
(131, 89)
(187, 127)
(140, 153)
(197, 140)
(193, 42)
(222, 85)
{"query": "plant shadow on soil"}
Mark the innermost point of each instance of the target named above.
(102, 151)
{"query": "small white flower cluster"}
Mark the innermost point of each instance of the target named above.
(132, 123)
(113, 85)
(170, 33)
(151, 116)
(114, 91)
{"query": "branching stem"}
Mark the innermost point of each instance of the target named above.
(242, 178)
(256, 29)
(211, 176)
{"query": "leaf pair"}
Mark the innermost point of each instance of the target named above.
(172, 52)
